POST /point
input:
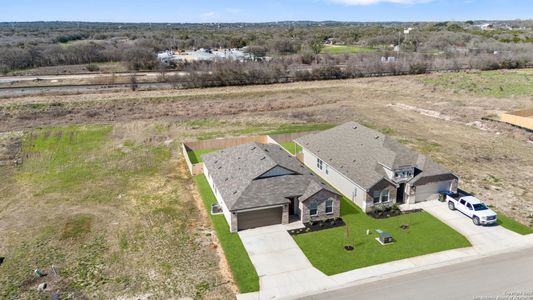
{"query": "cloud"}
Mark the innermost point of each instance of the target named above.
(370, 2)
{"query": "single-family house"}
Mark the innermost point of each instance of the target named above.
(371, 168)
(262, 184)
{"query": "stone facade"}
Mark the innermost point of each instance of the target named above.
(285, 214)
(380, 186)
(320, 199)
(233, 226)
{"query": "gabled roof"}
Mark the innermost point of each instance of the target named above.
(236, 171)
(360, 153)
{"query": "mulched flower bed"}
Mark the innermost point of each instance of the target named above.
(388, 213)
(317, 226)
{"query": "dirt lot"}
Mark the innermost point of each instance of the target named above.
(494, 161)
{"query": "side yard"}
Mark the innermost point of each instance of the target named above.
(196, 155)
(426, 234)
(292, 147)
(241, 266)
(513, 225)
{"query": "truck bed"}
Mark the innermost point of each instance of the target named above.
(460, 193)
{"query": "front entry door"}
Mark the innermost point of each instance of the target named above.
(291, 207)
(400, 193)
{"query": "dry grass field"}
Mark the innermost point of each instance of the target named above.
(100, 192)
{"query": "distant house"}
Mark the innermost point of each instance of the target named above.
(262, 184)
(487, 26)
(371, 168)
(205, 54)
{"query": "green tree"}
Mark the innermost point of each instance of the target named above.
(316, 45)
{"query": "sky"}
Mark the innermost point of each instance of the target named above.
(194, 11)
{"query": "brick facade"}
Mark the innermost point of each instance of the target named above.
(320, 199)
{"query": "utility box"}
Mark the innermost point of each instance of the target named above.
(384, 237)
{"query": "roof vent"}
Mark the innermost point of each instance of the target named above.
(234, 192)
(266, 150)
(377, 137)
(263, 157)
(353, 160)
(219, 167)
(253, 148)
(226, 179)
(355, 127)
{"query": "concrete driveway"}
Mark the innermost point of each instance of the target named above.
(484, 239)
(282, 267)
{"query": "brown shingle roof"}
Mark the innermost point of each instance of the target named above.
(235, 172)
(360, 153)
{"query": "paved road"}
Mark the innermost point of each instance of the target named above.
(490, 276)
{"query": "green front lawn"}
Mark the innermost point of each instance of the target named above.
(241, 266)
(513, 225)
(196, 155)
(292, 147)
(426, 235)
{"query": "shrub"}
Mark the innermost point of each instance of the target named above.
(92, 68)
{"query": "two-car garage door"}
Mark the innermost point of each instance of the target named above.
(431, 190)
(258, 218)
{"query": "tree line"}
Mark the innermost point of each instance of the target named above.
(50, 44)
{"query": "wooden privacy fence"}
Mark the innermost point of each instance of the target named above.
(222, 143)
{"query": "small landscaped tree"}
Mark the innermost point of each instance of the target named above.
(347, 242)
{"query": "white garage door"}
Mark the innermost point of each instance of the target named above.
(431, 190)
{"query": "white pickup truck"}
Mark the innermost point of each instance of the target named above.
(471, 207)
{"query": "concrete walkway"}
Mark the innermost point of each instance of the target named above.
(285, 272)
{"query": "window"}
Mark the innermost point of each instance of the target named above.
(469, 206)
(327, 170)
(381, 196)
(403, 173)
(319, 163)
(354, 194)
(313, 211)
(463, 202)
(375, 197)
(480, 206)
(329, 206)
(385, 195)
